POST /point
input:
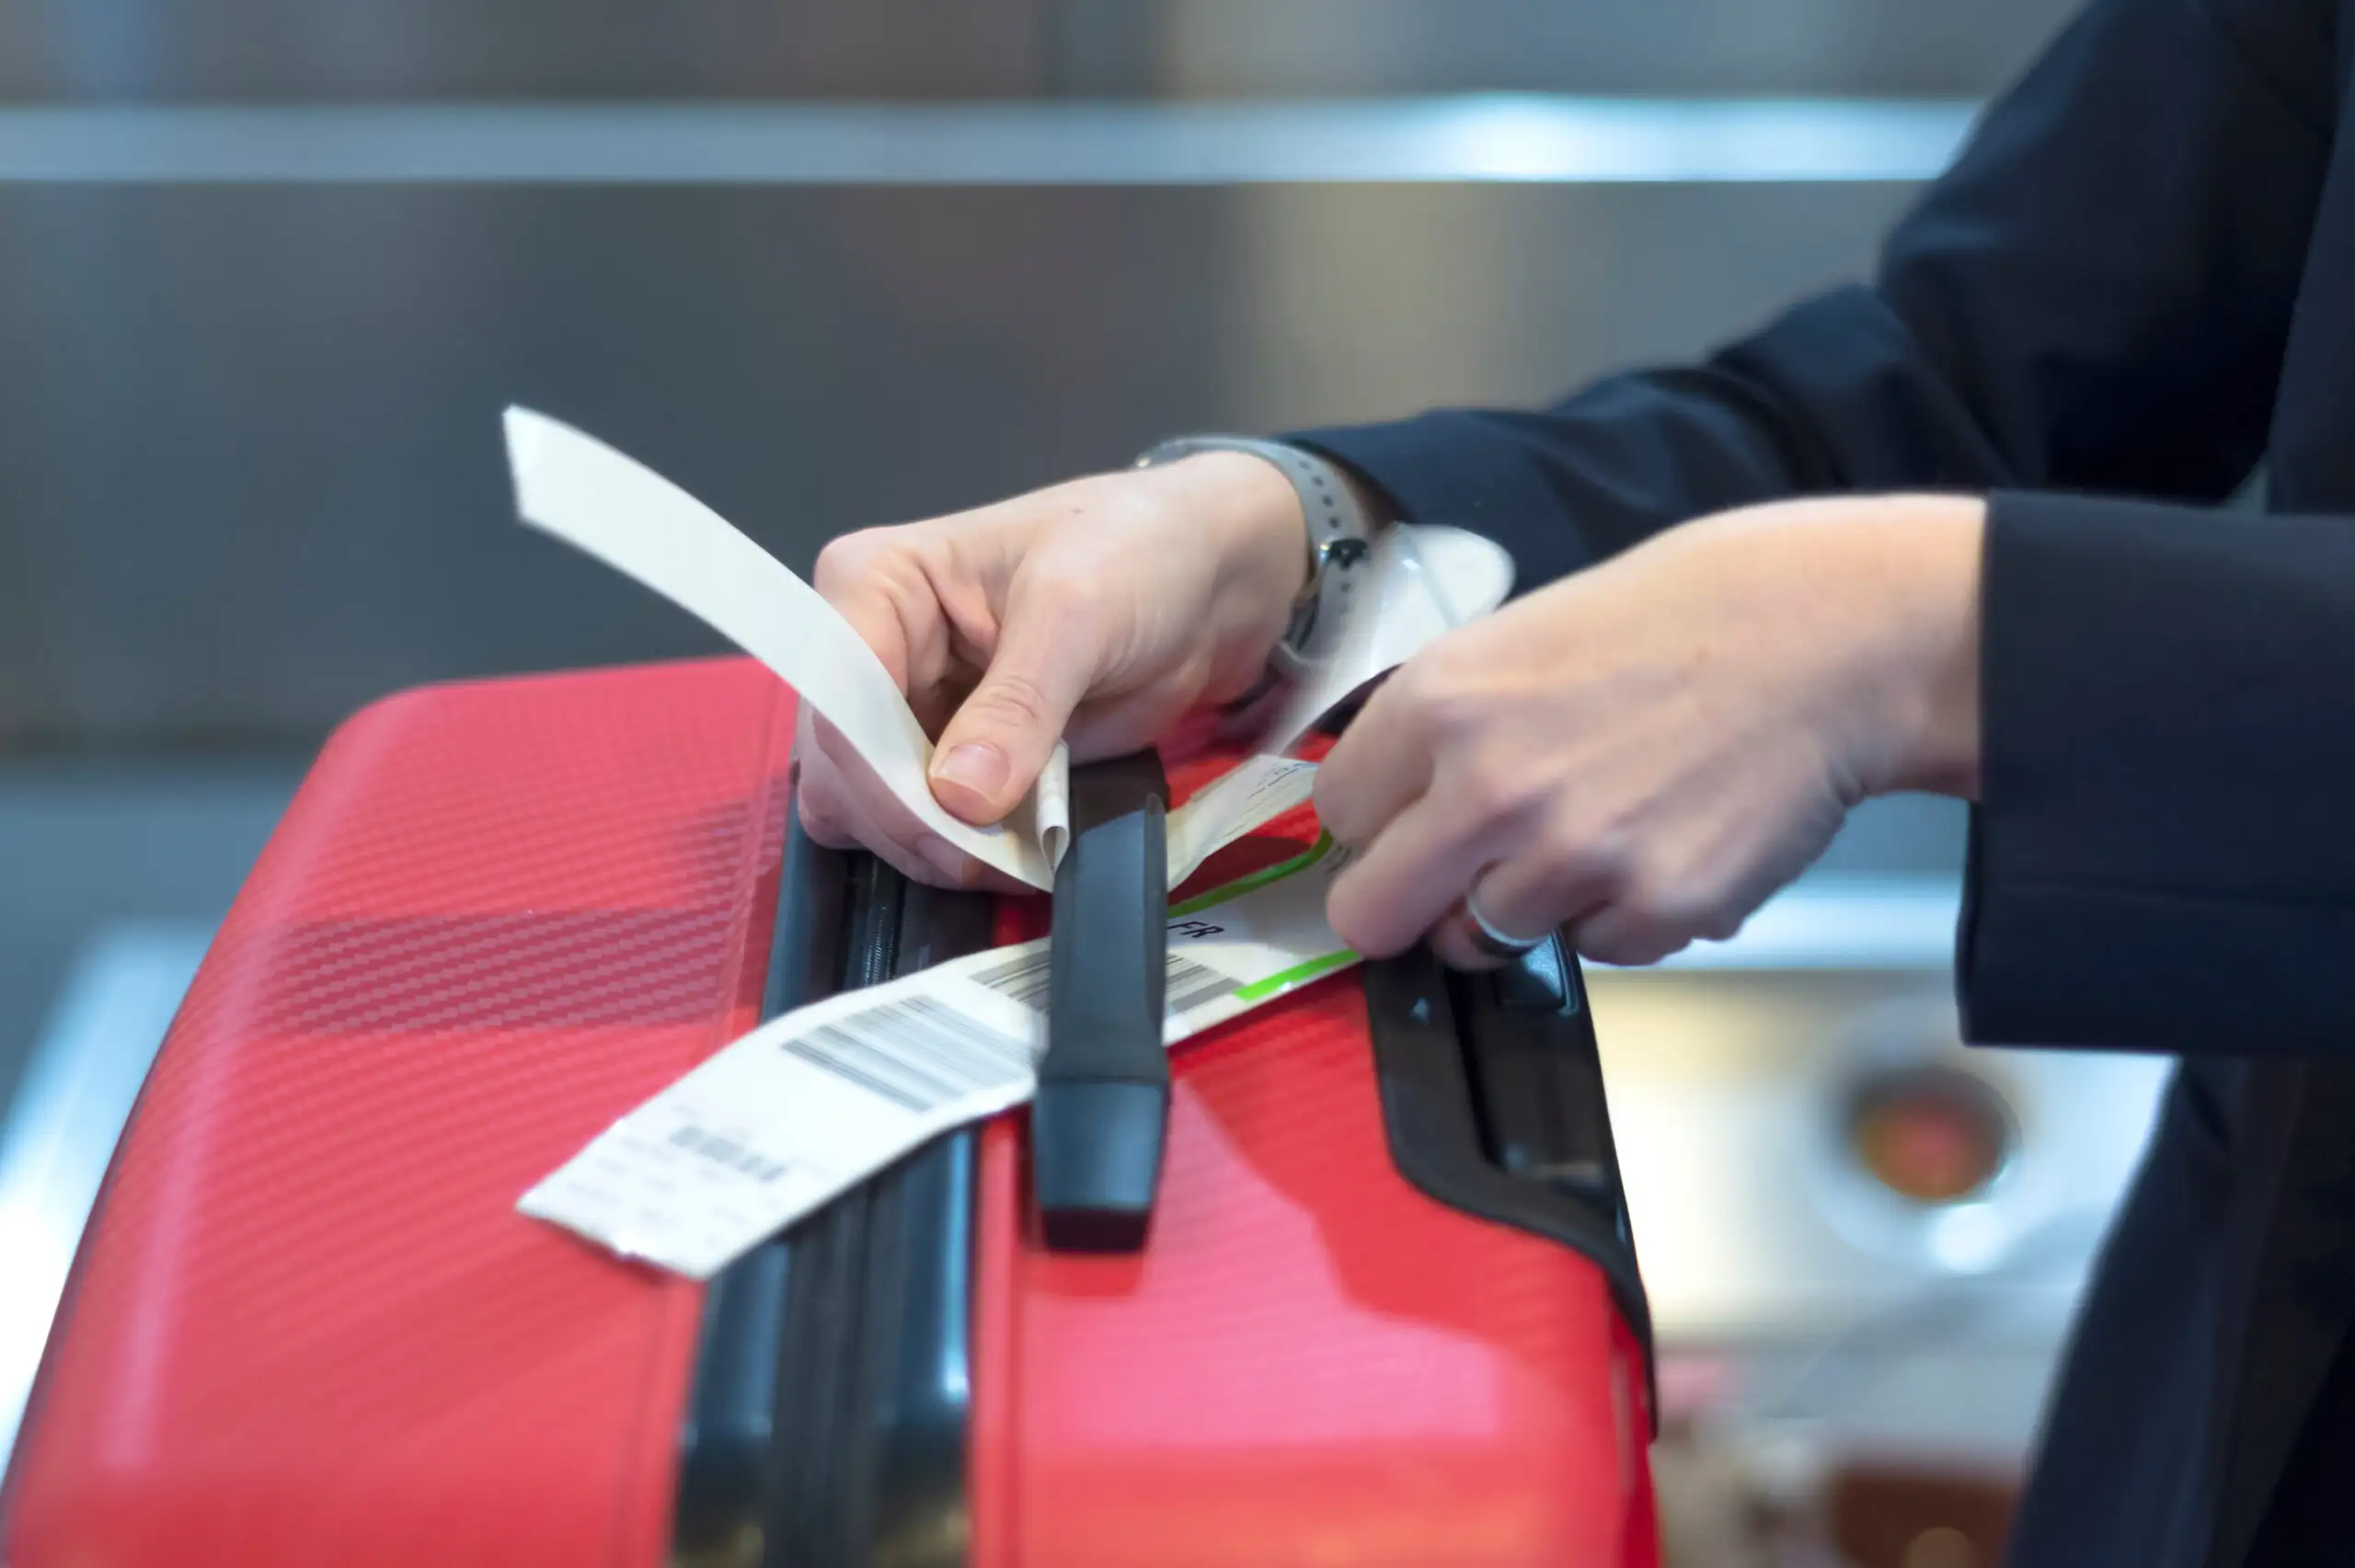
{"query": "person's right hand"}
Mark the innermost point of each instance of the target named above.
(1101, 612)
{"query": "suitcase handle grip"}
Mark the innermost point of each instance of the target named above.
(1492, 1095)
(1101, 1114)
(1536, 1080)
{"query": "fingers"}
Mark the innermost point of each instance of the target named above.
(876, 581)
(1462, 943)
(844, 805)
(1416, 869)
(1457, 941)
(865, 577)
(1432, 799)
(1047, 656)
(1380, 766)
(1155, 714)
(1423, 840)
(1548, 880)
(1604, 915)
(1449, 818)
(1631, 934)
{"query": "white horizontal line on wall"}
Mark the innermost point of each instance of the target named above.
(1503, 137)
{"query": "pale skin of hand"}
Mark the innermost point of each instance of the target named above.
(1640, 753)
(1104, 611)
(1644, 751)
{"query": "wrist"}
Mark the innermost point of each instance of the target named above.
(1931, 720)
(1252, 518)
(1326, 528)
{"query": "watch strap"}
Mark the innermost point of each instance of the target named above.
(1339, 540)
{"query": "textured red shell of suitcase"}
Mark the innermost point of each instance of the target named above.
(308, 1326)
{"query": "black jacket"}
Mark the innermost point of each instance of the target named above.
(2137, 286)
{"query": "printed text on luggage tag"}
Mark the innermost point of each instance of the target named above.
(815, 1101)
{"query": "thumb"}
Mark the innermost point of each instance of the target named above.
(992, 751)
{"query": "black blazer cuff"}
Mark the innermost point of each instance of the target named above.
(2163, 856)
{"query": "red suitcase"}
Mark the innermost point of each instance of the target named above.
(1387, 1313)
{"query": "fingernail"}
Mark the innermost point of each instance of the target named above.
(982, 769)
(946, 857)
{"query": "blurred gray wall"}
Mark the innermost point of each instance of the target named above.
(292, 50)
(249, 465)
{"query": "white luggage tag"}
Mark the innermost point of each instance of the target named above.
(813, 1103)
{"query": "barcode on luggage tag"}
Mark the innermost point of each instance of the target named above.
(727, 1151)
(1188, 985)
(915, 1052)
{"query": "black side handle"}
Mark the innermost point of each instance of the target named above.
(1536, 1079)
(1492, 1095)
(1101, 1114)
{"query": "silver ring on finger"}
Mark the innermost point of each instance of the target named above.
(1485, 935)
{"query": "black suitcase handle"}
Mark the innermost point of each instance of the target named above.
(829, 1415)
(1101, 1114)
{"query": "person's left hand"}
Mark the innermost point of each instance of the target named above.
(1644, 751)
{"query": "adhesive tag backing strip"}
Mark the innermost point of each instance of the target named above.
(642, 525)
(1422, 582)
(819, 1100)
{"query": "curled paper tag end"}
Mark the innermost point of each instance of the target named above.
(621, 512)
(1050, 806)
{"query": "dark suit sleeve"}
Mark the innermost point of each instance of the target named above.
(2165, 857)
(2096, 299)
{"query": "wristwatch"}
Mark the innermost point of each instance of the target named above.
(1340, 541)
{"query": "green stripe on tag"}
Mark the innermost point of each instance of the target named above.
(1258, 879)
(1299, 973)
